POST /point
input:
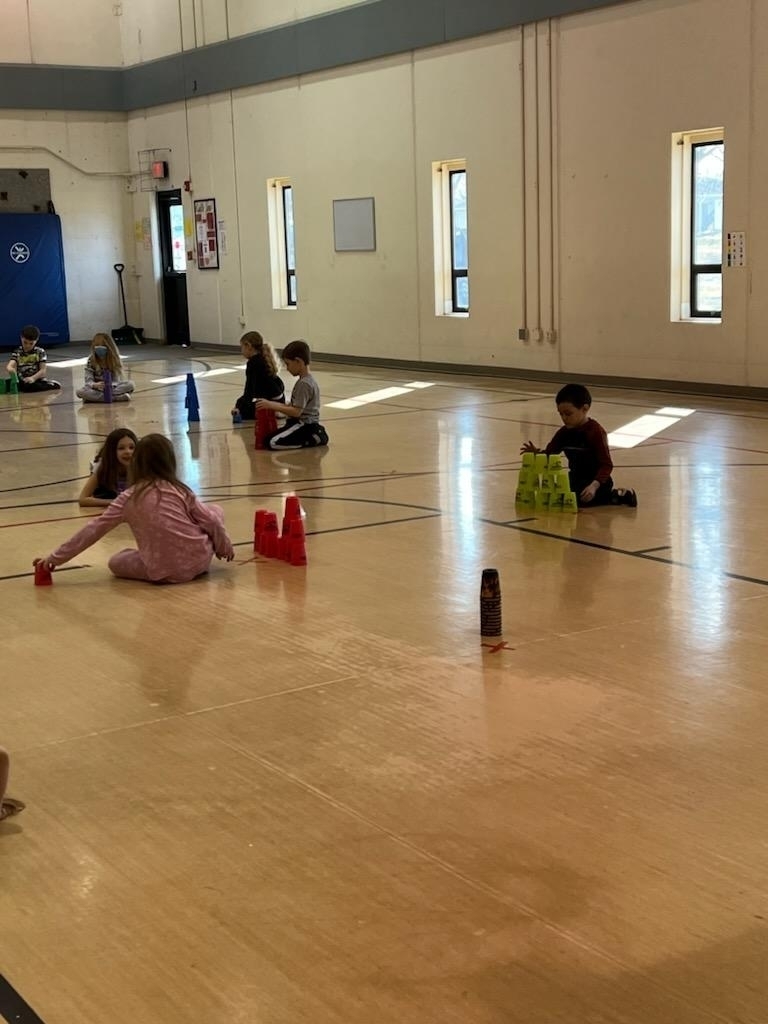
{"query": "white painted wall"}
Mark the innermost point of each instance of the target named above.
(84, 33)
(85, 155)
(628, 79)
(338, 135)
(150, 29)
(624, 79)
(571, 152)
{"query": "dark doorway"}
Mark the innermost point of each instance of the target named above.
(174, 259)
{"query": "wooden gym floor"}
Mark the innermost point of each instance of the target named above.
(280, 795)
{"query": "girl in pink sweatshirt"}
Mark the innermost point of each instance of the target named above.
(177, 535)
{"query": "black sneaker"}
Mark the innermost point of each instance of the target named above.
(624, 496)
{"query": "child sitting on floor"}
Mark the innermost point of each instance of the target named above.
(585, 445)
(177, 535)
(109, 473)
(104, 358)
(29, 363)
(261, 377)
(302, 428)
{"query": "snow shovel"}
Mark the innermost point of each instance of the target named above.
(126, 335)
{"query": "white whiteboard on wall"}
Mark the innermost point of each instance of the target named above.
(354, 225)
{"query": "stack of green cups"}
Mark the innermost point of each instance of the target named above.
(543, 484)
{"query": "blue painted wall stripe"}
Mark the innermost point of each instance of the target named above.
(351, 35)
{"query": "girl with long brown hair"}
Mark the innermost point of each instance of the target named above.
(110, 469)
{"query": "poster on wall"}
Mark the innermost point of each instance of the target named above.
(206, 234)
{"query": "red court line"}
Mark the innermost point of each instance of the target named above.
(36, 522)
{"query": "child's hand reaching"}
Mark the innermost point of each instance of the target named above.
(227, 553)
(263, 403)
(590, 491)
(45, 562)
(529, 446)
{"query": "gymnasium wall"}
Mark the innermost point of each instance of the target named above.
(85, 155)
(83, 152)
(151, 30)
(576, 248)
(78, 32)
(566, 128)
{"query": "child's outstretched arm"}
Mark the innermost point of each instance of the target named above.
(93, 531)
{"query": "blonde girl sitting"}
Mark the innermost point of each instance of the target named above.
(104, 358)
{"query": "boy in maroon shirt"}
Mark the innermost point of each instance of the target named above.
(585, 444)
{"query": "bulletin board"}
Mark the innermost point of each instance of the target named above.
(354, 225)
(206, 234)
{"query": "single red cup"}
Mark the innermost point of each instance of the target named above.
(43, 577)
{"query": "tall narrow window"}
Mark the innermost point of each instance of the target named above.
(282, 243)
(459, 261)
(451, 237)
(698, 166)
(290, 246)
(707, 229)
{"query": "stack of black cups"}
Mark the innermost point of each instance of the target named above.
(490, 603)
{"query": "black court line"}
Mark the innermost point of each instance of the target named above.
(39, 504)
(13, 1008)
(358, 526)
(27, 575)
(49, 483)
(648, 551)
(633, 554)
(323, 497)
(364, 526)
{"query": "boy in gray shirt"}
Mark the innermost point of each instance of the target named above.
(302, 428)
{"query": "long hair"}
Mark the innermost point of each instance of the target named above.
(261, 348)
(110, 471)
(112, 360)
(154, 461)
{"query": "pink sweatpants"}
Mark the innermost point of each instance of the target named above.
(129, 565)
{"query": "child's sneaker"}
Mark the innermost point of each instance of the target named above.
(624, 496)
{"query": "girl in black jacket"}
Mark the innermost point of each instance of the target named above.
(261, 377)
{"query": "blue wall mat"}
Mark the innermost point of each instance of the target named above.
(32, 285)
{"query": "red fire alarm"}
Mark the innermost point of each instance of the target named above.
(160, 169)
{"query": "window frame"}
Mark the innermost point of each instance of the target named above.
(290, 271)
(284, 280)
(457, 274)
(447, 275)
(697, 269)
(682, 296)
